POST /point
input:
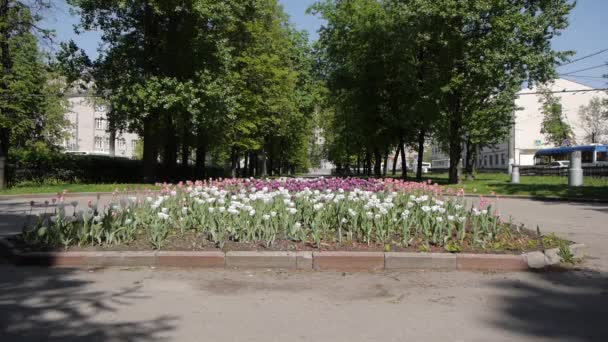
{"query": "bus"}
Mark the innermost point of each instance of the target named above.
(592, 155)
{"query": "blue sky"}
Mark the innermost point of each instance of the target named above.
(585, 35)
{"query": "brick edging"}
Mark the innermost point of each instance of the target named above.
(306, 260)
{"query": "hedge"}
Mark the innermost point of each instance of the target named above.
(27, 166)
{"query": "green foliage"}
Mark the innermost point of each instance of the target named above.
(39, 164)
(565, 253)
(221, 215)
(401, 70)
(224, 78)
(554, 126)
(31, 106)
(594, 121)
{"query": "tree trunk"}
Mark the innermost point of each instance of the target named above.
(455, 138)
(185, 157)
(253, 158)
(358, 164)
(421, 138)
(150, 151)
(368, 163)
(377, 163)
(170, 147)
(403, 160)
(395, 159)
(233, 161)
(263, 166)
(385, 163)
(470, 158)
(112, 140)
(7, 67)
(5, 135)
(201, 154)
(245, 172)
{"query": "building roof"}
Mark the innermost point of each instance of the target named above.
(570, 149)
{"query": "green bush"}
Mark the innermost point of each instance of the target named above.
(42, 165)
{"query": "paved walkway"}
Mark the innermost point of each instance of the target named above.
(135, 304)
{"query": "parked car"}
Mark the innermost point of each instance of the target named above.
(559, 164)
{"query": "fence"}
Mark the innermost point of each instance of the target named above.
(588, 171)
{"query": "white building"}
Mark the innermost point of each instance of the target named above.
(88, 132)
(526, 135)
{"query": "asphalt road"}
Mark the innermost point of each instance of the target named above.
(143, 304)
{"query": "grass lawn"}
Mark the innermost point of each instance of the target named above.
(539, 186)
(484, 184)
(55, 188)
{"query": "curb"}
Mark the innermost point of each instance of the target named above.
(321, 261)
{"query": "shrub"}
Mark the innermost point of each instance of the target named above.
(44, 165)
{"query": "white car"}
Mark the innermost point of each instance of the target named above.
(559, 164)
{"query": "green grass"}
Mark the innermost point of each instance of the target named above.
(537, 186)
(71, 188)
(484, 184)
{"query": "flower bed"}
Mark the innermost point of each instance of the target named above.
(284, 214)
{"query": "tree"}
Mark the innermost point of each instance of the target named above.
(226, 78)
(492, 47)
(400, 71)
(31, 109)
(554, 126)
(594, 121)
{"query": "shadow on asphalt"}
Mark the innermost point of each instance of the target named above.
(38, 304)
(561, 306)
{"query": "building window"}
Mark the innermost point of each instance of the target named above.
(98, 143)
(133, 144)
(602, 156)
(496, 159)
(98, 123)
(100, 108)
(587, 157)
(106, 143)
(122, 143)
(502, 159)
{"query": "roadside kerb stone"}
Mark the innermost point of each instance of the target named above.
(552, 256)
(255, 259)
(491, 262)
(209, 259)
(53, 259)
(536, 260)
(304, 261)
(419, 261)
(348, 261)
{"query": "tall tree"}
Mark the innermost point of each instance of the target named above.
(30, 105)
(554, 125)
(594, 121)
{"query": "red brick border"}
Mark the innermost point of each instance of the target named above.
(191, 259)
(343, 261)
(348, 261)
(493, 262)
